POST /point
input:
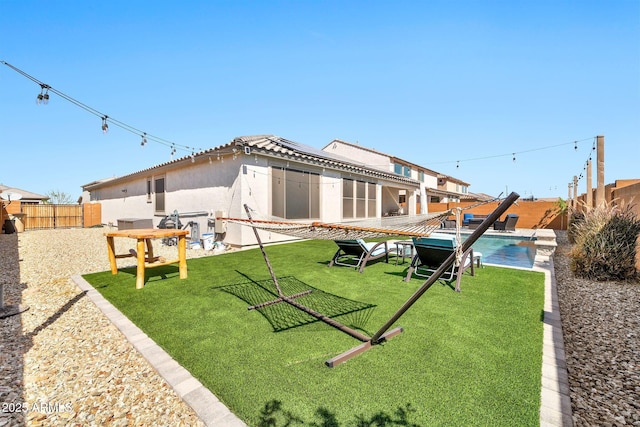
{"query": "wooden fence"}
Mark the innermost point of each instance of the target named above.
(536, 214)
(52, 216)
(47, 216)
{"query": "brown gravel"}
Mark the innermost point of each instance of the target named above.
(63, 363)
(601, 325)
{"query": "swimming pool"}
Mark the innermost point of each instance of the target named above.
(509, 251)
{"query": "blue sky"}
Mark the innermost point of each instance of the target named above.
(455, 86)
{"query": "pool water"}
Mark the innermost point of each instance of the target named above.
(506, 250)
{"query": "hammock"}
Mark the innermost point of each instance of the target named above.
(401, 225)
(383, 334)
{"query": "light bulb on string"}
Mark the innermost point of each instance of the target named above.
(105, 126)
(457, 164)
(144, 139)
(575, 145)
(43, 96)
(514, 157)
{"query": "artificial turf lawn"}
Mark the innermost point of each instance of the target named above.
(469, 358)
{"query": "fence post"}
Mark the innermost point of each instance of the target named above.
(600, 199)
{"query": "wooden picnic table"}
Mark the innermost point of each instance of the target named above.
(146, 258)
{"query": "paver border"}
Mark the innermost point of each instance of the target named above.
(555, 402)
(206, 405)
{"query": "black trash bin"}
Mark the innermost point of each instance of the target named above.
(9, 226)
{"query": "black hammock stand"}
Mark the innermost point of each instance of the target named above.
(383, 334)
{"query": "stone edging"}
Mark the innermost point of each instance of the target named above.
(206, 405)
(555, 403)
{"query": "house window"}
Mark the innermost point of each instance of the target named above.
(421, 176)
(358, 199)
(149, 190)
(159, 187)
(295, 194)
(402, 170)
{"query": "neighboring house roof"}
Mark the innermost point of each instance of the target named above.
(26, 195)
(452, 179)
(445, 193)
(482, 197)
(274, 146)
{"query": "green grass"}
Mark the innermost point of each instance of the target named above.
(469, 358)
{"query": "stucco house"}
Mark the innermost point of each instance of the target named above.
(27, 197)
(434, 186)
(277, 178)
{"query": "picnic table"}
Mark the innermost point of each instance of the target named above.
(145, 258)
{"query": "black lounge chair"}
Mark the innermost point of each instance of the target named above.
(356, 253)
(432, 251)
(509, 223)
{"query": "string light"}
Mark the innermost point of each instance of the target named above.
(43, 98)
(144, 139)
(514, 157)
(510, 154)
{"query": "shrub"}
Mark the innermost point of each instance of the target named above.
(605, 244)
(576, 218)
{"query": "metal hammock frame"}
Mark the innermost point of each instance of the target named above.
(383, 334)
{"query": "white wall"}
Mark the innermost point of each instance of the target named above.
(360, 154)
(226, 186)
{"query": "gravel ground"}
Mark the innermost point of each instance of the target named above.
(63, 363)
(601, 326)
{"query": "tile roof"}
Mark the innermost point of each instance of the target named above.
(27, 195)
(271, 145)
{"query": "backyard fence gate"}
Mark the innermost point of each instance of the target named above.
(52, 216)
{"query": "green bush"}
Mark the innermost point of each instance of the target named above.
(605, 243)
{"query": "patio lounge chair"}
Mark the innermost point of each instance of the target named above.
(432, 251)
(356, 253)
(509, 223)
